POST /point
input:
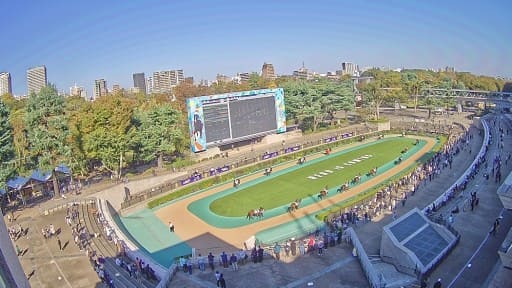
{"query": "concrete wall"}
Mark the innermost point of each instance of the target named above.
(396, 254)
(11, 273)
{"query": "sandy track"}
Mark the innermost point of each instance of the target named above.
(201, 235)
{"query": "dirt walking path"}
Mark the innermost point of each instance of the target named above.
(200, 235)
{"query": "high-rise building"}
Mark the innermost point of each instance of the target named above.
(176, 77)
(36, 79)
(116, 88)
(163, 81)
(302, 73)
(149, 85)
(189, 80)
(243, 77)
(267, 71)
(5, 83)
(139, 81)
(348, 68)
(221, 78)
(100, 88)
(78, 91)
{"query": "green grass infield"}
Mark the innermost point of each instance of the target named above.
(313, 176)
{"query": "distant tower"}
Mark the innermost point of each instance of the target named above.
(267, 71)
(36, 79)
(116, 88)
(348, 68)
(5, 83)
(100, 88)
(139, 81)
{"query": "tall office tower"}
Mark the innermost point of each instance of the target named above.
(116, 88)
(180, 76)
(303, 73)
(221, 78)
(163, 81)
(5, 83)
(243, 77)
(176, 77)
(349, 69)
(100, 88)
(78, 91)
(267, 71)
(149, 85)
(189, 80)
(139, 81)
(36, 79)
(11, 271)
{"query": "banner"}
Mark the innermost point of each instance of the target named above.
(219, 170)
(194, 178)
(330, 139)
(292, 149)
(269, 155)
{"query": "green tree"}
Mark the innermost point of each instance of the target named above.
(7, 155)
(77, 110)
(108, 132)
(303, 103)
(47, 131)
(335, 96)
(158, 132)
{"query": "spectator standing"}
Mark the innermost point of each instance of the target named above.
(234, 262)
(222, 281)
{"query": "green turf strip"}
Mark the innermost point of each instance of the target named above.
(281, 188)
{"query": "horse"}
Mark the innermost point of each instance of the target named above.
(255, 213)
(342, 188)
(405, 150)
(322, 194)
(251, 214)
(372, 172)
(398, 161)
(294, 206)
(356, 179)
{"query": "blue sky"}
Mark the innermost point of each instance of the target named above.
(80, 41)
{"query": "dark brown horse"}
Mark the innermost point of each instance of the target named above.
(255, 213)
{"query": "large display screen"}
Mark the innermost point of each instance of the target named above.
(225, 118)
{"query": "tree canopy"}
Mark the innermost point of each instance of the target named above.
(6, 146)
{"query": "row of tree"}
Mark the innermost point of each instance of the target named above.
(45, 129)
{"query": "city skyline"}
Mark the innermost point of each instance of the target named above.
(207, 39)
